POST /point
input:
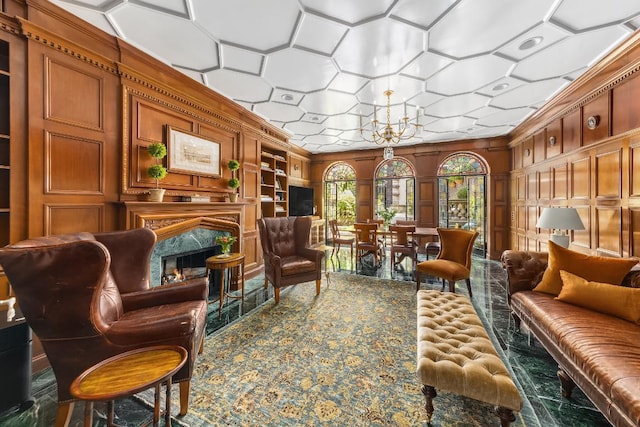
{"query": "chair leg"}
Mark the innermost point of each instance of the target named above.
(318, 287)
(201, 349)
(442, 285)
(185, 387)
(452, 286)
(417, 280)
(266, 282)
(64, 414)
(276, 292)
(469, 287)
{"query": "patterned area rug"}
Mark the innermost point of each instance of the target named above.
(344, 358)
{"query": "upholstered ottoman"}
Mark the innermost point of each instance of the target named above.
(455, 354)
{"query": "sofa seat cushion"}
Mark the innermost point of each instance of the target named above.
(605, 348)
(296, 264)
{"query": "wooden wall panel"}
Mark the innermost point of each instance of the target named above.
(608, 167)
(634, 169)
(583, 237)
(608, 229)
(74, 165)
(521, 218)
(599, 109)
(559, 185)
(63, 83)
(625, 107)
(544, 185)
(521, 188)
(635, 232)
(572, 131)
(532, 186)
(554, 134)
(580, 178)
(539, 149)
(532, 217)
(66, 218)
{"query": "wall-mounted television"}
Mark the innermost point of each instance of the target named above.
(300, 201)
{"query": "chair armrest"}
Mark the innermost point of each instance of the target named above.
(524, 269)
(166, 294)
(311, 254)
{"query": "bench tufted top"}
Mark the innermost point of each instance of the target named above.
(455, 353)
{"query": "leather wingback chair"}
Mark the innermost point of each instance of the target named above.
(288, 259)
(68, 288)
(453, 262)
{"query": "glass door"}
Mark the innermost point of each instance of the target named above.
(477, 212)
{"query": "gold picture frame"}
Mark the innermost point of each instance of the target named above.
(192, 154)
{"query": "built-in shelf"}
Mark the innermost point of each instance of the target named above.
(5, 145)
(274, 182)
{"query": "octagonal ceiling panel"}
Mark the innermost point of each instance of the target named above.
(240, 86)
(570, 54)
(312, 67)
(352, 11)
(299, 70)
(470, 27)
(259, 25)
(174, 39)
(379, 48)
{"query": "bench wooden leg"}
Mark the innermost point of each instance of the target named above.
(506, 416)
(567, 383)
(429, 393)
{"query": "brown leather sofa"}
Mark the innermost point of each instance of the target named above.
(597, 352)
(87, 298)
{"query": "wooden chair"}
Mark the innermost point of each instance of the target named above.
(381, 240)
(337, 241)
(453, 262)
(402, 244)
(367, 241)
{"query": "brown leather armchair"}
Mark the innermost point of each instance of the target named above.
(87, 298)
(288, 260)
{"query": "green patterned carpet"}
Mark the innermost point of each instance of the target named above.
(344, 358)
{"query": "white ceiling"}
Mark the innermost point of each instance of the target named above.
(313, 67)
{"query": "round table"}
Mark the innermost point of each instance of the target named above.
(129, 373)
(233, 263)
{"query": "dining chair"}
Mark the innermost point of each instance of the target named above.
(337, 240)
(381, 239)
(403, 244)
(453, 262)
(367, 241)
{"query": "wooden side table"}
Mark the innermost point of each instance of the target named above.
(233, 265)
(129, 373)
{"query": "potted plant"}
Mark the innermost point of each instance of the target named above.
(234, 182)
(462, 193)
(158, 151)
(387, 215)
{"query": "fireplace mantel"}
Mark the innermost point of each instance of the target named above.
(156, 216)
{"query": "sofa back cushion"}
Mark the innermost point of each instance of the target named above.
(618, 301)
(592, 268)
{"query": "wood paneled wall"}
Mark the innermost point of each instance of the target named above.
(581, 150)
(426, 158)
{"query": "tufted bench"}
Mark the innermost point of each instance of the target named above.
(456, 355)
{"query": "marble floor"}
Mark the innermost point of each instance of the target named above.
(532, 366)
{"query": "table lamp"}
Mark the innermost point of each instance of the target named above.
(559, 220)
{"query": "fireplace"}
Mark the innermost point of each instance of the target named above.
(187, 265)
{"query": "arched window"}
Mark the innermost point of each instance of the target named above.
(462, 195)
(395, 188)
(340, 193)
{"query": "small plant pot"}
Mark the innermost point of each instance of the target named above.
(156, 194)
(233, 197)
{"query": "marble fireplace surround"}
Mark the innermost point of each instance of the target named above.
(183, 227)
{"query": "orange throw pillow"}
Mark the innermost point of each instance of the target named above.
(618, 301)
(592, 268)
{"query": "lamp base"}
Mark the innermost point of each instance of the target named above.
(560, 239)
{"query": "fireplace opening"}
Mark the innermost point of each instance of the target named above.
(191, 265)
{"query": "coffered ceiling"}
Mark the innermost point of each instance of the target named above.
(475, 68)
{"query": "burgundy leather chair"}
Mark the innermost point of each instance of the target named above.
(87, 298)
(288, 259)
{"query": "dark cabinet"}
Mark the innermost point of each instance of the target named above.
(15, 363)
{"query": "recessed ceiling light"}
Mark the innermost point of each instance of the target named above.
(287, 97)
(314, 118)
(529, 43)
(501, 86)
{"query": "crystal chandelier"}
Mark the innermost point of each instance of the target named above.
(385, 133)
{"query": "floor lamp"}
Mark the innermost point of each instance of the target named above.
(560, 220)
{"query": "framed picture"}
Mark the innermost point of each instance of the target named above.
(191, 154)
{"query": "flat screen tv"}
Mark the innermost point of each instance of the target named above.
(300, 201)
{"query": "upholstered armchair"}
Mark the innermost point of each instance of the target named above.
(68, 288)
(288, 260)
(453, 262)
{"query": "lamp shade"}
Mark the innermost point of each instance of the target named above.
(560, 219)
